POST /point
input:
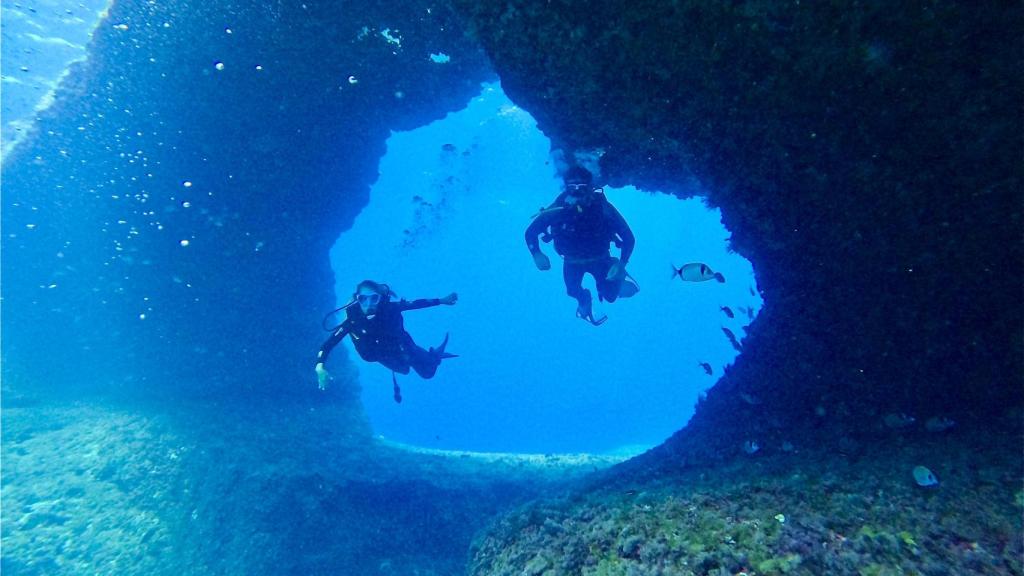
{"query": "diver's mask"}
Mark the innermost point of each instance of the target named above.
(368, 301)
(579, 194)
(577, 188)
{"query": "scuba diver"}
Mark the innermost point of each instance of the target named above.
(582, 223)
(374, 322)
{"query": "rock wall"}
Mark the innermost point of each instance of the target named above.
(250, 132)
(866, 156)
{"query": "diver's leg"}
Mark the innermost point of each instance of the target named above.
(572, 274)
(423, 361)
(607, 289)
(395, 363)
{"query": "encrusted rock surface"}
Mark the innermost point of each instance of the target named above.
(96, 488)
(865, 155)
(867, 158)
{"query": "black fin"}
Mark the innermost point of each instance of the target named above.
(396, 391)
(444, 344)
(439, 351)
(589, 318)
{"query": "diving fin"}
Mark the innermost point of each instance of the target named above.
(589, 318)
(585, 310)
(629, 287)
(439, 351)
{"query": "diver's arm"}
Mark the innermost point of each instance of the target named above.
(321, 356)
(537, 227)
(329, 345)
(622, 229)
(404, 305)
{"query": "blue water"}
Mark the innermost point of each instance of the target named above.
(40, 41)
(448, 214)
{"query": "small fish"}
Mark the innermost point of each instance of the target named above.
(728, 311)
(752, 400)
(706, 367)
(732, 339)
(899, 420)
(924, 477)
(752, 293)
(938, 424)
(696, 272)
(751, 447)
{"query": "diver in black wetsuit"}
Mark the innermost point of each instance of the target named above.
(374, 322)
(582, 223)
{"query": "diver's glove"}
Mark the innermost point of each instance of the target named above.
(321, 376)
(541, 260)
(450, 299)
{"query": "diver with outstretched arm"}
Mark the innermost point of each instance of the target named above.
(375, 325)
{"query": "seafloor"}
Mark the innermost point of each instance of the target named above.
(94, 488)
(791, 513)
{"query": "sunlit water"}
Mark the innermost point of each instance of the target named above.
(40, 41)
(448, 214)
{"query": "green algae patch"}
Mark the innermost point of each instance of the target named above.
(812, 516)
(689, 534)
(785, 565)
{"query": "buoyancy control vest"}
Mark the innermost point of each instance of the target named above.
(381, 336)
(583, 230)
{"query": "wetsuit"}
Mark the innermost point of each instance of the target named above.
(383, 338)
(582, 234)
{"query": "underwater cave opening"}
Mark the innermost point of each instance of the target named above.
(448, 213)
